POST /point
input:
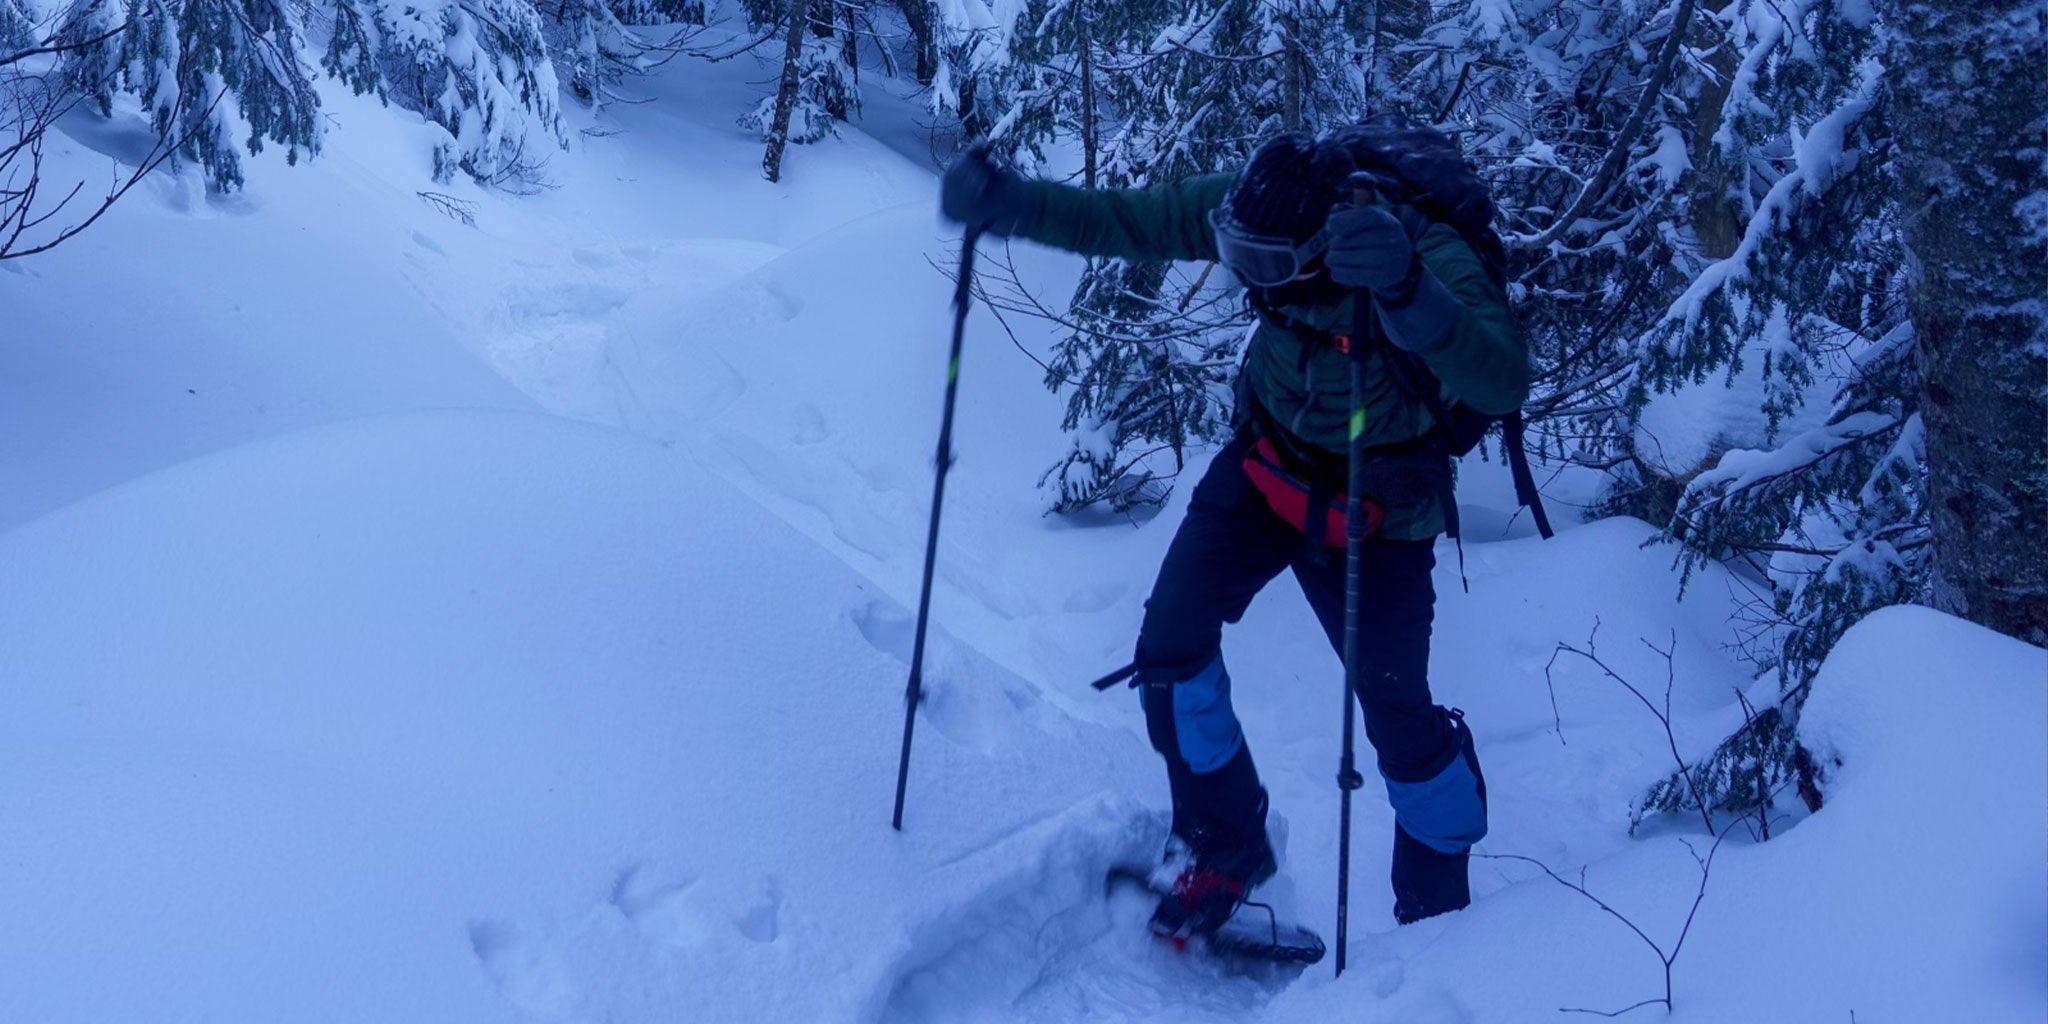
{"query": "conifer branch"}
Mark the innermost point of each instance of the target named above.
(1624, 140)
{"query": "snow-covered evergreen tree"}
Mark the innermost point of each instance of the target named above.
(17, 28)
(1575, 114)
(991, 55)
(213, 76)
(478, 68)
(820, 73)
(1834, 515)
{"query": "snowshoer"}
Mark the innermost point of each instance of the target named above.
(1273, 499)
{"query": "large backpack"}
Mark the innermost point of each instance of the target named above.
(1423, 168)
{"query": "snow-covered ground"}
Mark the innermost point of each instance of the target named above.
(402, 620)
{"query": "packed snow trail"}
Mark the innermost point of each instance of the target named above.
(370, 701)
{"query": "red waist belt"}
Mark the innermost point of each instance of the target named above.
(1290, 495)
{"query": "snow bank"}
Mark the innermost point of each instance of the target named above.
(1919, 893)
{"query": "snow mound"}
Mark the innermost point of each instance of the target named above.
(1918, 893)
(1923, 886)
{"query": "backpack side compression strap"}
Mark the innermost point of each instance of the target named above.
(1518, 467)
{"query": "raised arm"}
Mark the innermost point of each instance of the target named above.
(1164, 222)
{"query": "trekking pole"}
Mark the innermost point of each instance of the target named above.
(963, 293)
(1348, 778)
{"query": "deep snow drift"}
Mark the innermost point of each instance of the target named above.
(408, 621)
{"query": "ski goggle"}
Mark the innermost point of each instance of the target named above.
(1262, 261)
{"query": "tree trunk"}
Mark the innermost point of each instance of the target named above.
(918, 15)
(1966, 88)
(1293, 73)
(1091, 130)
(1717, 220)
(852, 45)
(838, 103)
(972, 124)
(785, 92)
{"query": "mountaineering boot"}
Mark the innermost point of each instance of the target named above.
(1431, 875)
(1205, 874)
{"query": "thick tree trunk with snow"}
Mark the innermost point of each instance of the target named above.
(1717, 221)
(785, 92)
(1967, 88)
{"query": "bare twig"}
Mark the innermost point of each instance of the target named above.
(458, 209)
(33, 116)
(1663, 715)
(1762, 783)
(1666, 958)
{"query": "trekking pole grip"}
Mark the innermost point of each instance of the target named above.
(1366, 188)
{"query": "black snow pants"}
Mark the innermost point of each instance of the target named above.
(1229, 546)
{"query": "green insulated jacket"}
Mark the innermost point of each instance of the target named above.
(1291, 369)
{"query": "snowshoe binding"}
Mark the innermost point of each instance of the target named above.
(1203, 899)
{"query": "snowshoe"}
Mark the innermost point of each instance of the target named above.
(1246, 931)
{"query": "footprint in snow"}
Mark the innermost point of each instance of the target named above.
(663, 911)
(889, 478)
(594, 259)
(1383, 974)
(529, 974)
(965, 698)
(1434, 1006)
(887, 627)
(810, 425)
(688, 912)
(763, 921)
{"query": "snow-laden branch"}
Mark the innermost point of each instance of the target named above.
(1819, 158)
(1744, 468)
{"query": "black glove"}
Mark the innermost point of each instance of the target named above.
(1369, 248)
(982, 194)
